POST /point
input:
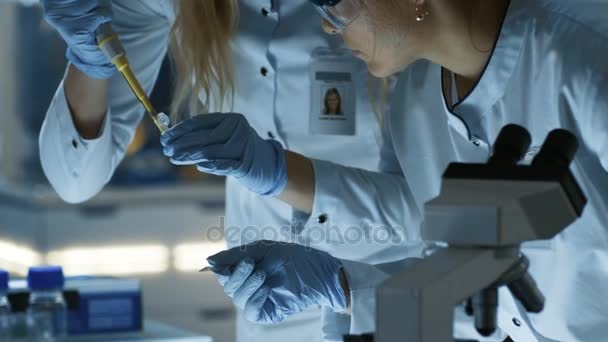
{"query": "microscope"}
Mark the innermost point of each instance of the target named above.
(482, 216)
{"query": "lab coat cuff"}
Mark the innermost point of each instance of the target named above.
(326, 195)
(334, 325)
(64, 154)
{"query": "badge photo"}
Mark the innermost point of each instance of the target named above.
(333, 98)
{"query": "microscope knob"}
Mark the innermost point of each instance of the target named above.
(528, 293)
(522, 285)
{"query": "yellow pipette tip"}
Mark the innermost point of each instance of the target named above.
(109, 43)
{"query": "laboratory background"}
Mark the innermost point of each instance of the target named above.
(130, 264)
(136, 248)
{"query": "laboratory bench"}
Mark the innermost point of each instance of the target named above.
(153, 332)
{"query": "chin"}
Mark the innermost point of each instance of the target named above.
(381, 71)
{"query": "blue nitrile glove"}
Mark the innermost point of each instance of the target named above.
(226, 145)
(271, 280)
(76, 21)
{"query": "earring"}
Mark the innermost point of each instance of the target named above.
(421, 14)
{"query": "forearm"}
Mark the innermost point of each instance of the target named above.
(300, 189)
(88, 101)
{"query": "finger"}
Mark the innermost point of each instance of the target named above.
(249, 287)
(202, 121)
(190, 141)
(224, 134)
(212, 158)
(221, 273)
(228, 132)
(218, 167)
(179, 130)
(188, 158)
(181, 155)
(274, 314)
(239, 276)
(227, 129)
(256, 251)
(254, 309)
(227, 258)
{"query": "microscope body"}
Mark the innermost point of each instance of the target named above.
(483, 214)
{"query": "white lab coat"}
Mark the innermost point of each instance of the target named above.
(549, 70)
(276, 105)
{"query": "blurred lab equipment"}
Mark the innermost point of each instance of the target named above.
(111, 46)
(104, 309)
(5, 308)
(94, 305)
(31, 64)
(484, 213)
(47, 311)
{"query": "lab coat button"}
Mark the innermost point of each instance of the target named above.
(516, 322)
(74, 143)
(322, 218)
(271, 135)
(476, 143)
(265, 12)
(264, 71)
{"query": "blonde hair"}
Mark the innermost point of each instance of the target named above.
(201, 54)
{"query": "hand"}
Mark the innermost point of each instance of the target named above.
(76, 21)
(226, 145)
(271, 280)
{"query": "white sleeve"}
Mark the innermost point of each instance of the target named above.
(596, 128)
(78, 168)
(374, 213)
(363, 280)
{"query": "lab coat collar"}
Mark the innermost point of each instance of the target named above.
(497, 74)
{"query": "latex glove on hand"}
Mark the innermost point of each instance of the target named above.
(76, 21)
(226, 145)
(271, 280)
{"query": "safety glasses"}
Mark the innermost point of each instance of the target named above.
(341, 14)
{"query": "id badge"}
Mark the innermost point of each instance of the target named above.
(333, 97)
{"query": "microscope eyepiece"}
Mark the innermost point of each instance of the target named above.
(511, 145)
(558, 150)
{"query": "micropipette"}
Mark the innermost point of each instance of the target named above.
(110, 44)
